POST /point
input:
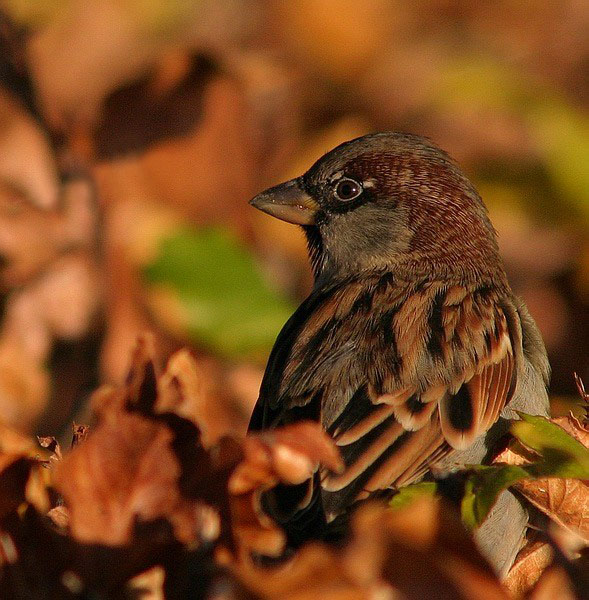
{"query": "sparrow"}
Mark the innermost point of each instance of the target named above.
(411, 350)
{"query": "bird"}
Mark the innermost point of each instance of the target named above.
(411, 350)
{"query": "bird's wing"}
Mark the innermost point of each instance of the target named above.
(275, 407)
(398, 373)
(454, 371)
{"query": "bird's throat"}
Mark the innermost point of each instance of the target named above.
(315, 248)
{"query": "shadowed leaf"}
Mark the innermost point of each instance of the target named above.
(483, 488)
(564, 455)
(560, 456)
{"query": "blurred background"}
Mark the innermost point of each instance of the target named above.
(133, 133)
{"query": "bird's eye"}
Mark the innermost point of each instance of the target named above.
(348, 189)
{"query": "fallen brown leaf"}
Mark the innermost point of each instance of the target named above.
(149, 584)
(289, 455)
(60, 517)
(565, 501)
(419, 552)
(123, 473)
(573, 426)
(182, 390)
(553, 584)
(132, 468)
(528, 567)
(430, 554)
(79, 433)
(316, 571)
(52, 445)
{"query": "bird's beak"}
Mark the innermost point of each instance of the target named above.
(288, 202)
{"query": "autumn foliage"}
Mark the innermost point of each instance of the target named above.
(145, 505)
(132, 135)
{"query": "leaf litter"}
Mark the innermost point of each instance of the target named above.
(143, 498)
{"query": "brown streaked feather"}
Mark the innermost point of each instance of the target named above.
(354, 433)
(416, 471)
(455, 294)
(477, 405)
(411, 329)
(334, 483)
(461, 409)
(434, 393)
(438, 371)
(396, 398)
(458, 418)
(450, 318)
(500, 389)
(414, 413)
(406, 463)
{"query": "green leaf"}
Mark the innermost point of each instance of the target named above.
(408, 494)
(560, 455)
(483, 488)
(563, 455)
(226, 304)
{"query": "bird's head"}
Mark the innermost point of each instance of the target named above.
(388, 200)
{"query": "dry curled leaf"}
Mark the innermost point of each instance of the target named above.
(123, 473)
(316, 571)
(421, 551)
(529, 565)
(575, 427)
(181, 390)
(51, 444)
(288, 455)
(138, 490)
(60, 517)
(565, 501)
(429, 554)
(79, 433)
(129, 469)
(553, 584)
(149, 584)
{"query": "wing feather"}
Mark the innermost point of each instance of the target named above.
(334, 483)
(443, 414)
(405, 464)
(362, 427)
(400, 374)
(469, 413)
